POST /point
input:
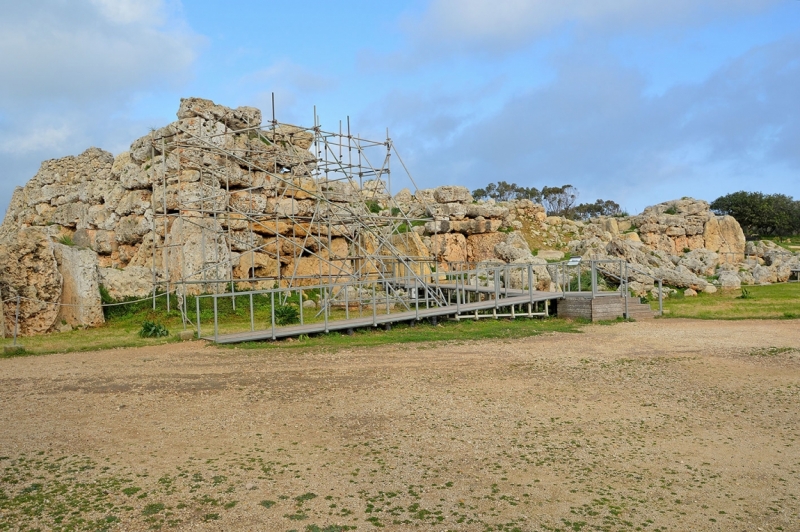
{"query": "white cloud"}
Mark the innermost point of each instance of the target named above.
(79, 50)
(480, 24)
(70, 69)
(595, 127)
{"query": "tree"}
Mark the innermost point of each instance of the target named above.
(502, 191)
(598, 208)
(559, 200)
(761, 214)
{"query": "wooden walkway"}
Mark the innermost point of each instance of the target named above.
(515, 297)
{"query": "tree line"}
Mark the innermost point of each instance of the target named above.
(757, 213)
(761, 214)
(559, 201)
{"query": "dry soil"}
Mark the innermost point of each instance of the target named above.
(664, 425)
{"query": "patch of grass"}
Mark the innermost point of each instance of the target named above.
(773, 351)
(267, 504)
(152, 509)
(423, 332)
(66, 240)
(777, 301)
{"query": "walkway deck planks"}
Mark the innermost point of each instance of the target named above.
(519, 297)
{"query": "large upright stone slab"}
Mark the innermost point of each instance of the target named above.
(80, 292)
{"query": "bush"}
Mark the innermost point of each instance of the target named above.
(373, 206)
(151, 329)
(286, 314)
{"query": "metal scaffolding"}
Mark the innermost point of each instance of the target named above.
(280, 206)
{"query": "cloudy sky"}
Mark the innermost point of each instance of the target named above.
(638, 101)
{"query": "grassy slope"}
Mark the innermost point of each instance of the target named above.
(779, 301)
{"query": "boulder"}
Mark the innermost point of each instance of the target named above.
(690, 293)
(701, 261)
(729, 280)
(80, 292)
(764, 275)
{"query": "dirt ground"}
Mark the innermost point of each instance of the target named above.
(664, 425)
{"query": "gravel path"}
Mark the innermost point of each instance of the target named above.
(664, 425)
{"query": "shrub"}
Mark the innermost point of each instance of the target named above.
(286, 314)
(151, 329)
(671, 210)
(373, 206)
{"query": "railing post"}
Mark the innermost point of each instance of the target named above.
(496, 286)
(197, 309)
(627, 291)
(374, 308)
(216, 319)
(346, 302)
(660, 300)
(416, 298)
(272, 312)
(252, 318)
(325, 308)
(16, 322)
(530, 281)
(300, 299)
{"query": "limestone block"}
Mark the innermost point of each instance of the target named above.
(338, 191)
(475, 226)
(452, 194)
(197, 249)
(236, 119)
(133, 281)
(254, 265)
(550, 254)
(70, 215)
(247, 202)
(451, 211)
(723, 235)
(244, 240)
(480, 247)
(285, 134)
(28, 268)
(438, 227)
(486, 211)
(129, 173)
(134, 202)
(404, 197)
(131, 229)
(316, 270)
(80, 292)
(425, 196)
(610, 225)
(450, 247)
